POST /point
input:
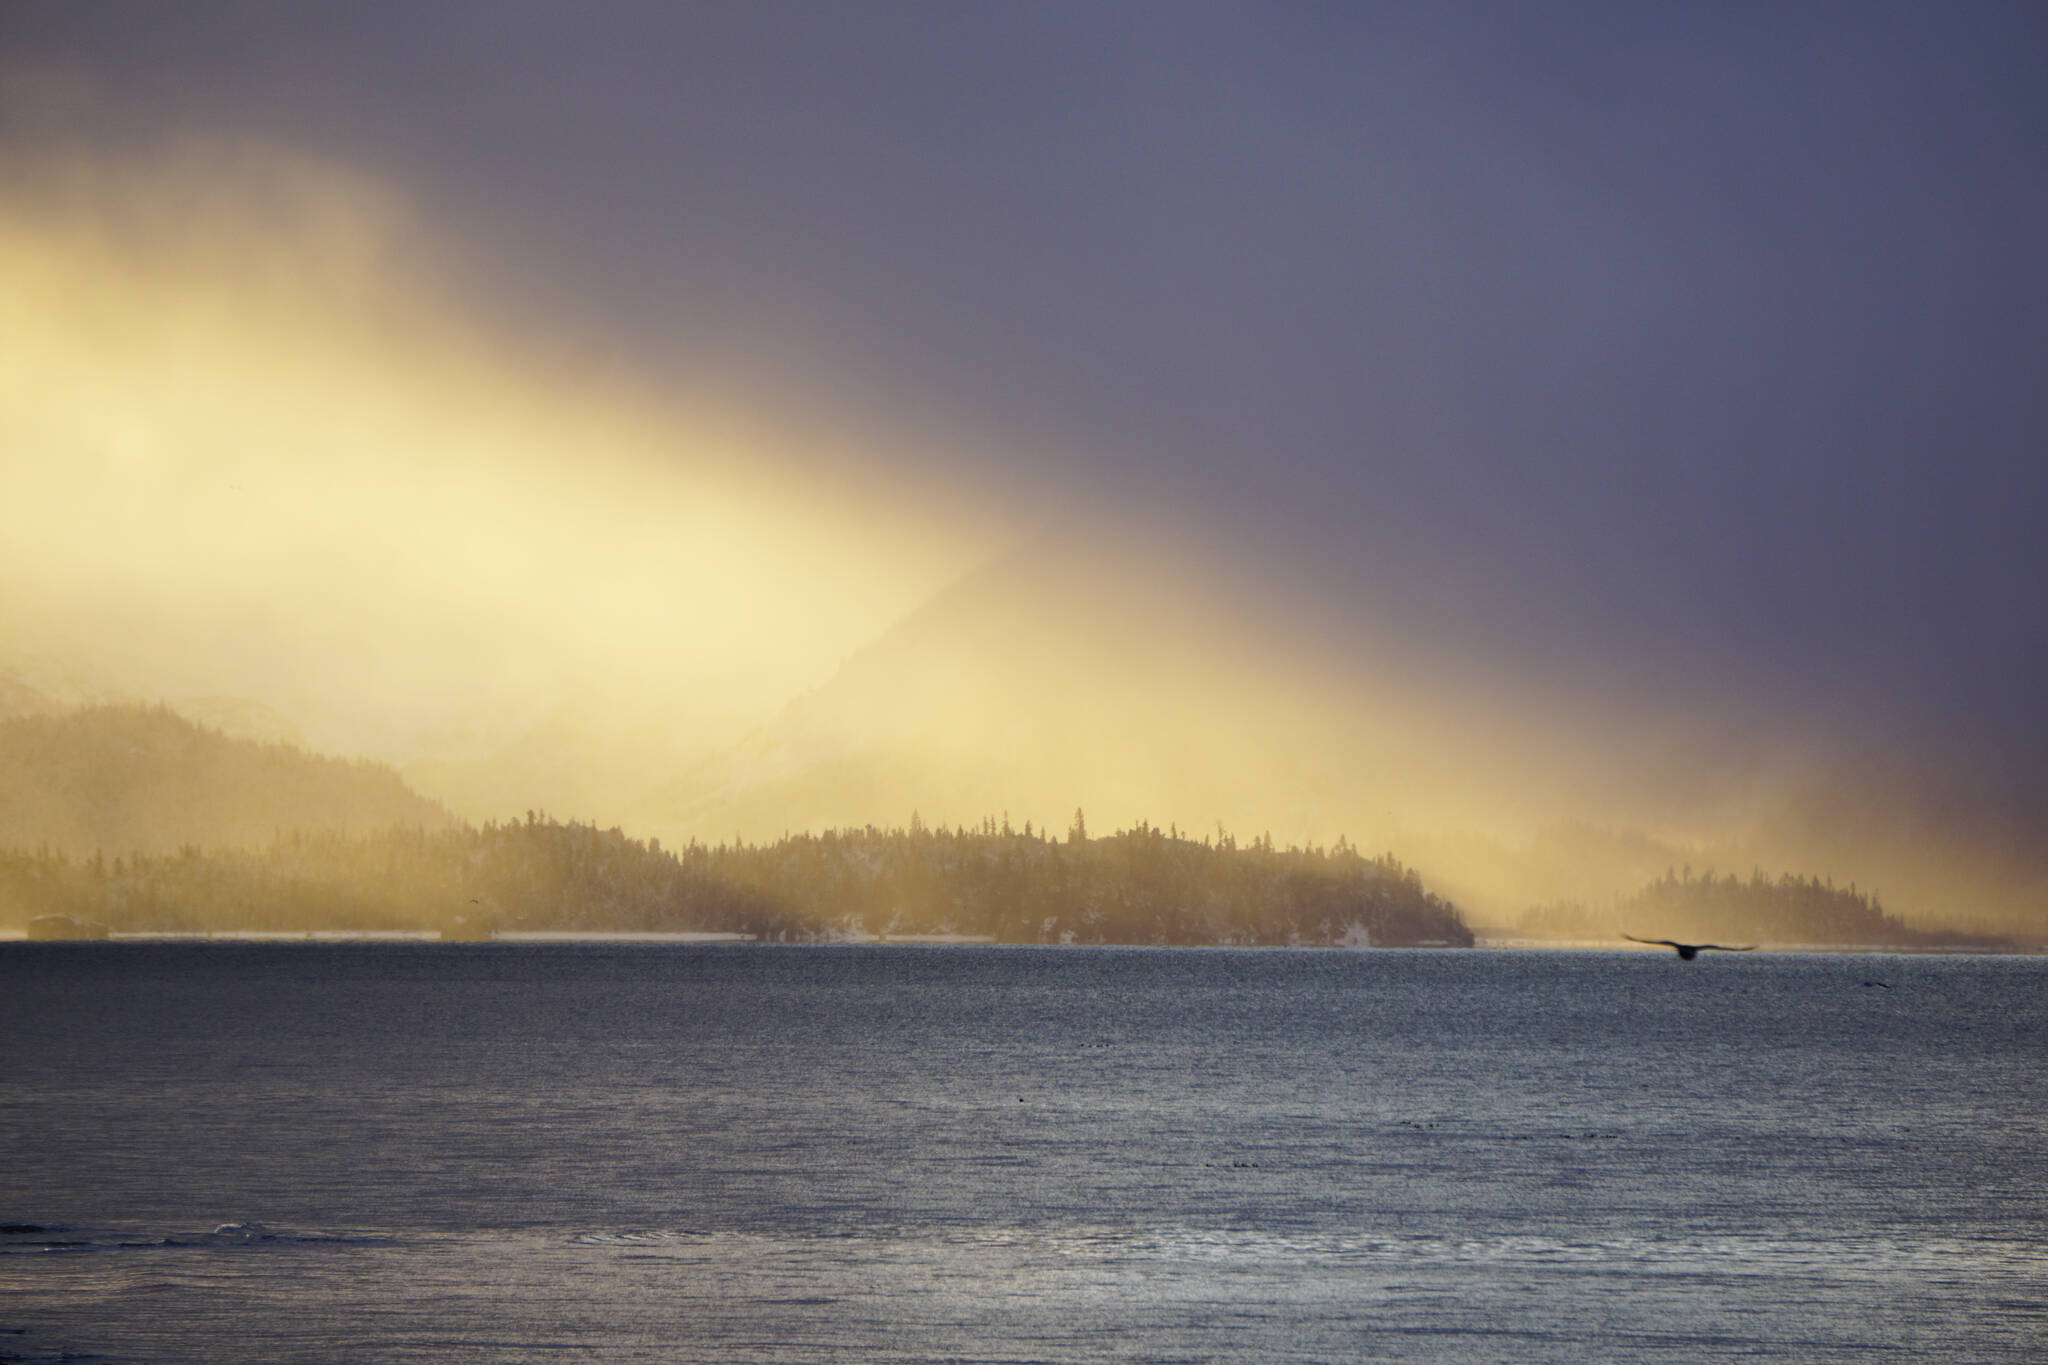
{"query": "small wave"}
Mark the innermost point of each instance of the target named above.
(262, 1234)
(242, 1232)
(661, 1237)
(1839, 1258)
(20, 1240)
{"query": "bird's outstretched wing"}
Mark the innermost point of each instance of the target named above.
(1653, 942)
(1724, 948)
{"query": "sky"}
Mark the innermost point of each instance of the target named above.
(1679, 356)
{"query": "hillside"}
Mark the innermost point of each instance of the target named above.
(1041, 684)
(127, 779)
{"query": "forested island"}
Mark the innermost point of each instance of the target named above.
(1786, 910)
(1138, 886)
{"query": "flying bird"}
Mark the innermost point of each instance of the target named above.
(1689, 951)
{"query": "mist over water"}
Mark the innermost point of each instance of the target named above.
(236, 1152)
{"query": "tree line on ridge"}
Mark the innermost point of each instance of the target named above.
(1142, 885)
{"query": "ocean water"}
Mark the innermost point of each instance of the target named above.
(548, 1152)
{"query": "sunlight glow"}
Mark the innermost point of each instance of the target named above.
(248, 452)
(251, 448)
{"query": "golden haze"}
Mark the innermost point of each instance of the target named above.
(250, 452)
(253, 450)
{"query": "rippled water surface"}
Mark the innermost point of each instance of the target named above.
(522, 1152)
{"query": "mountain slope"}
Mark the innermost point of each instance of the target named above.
(1048, 682)
(123, 779)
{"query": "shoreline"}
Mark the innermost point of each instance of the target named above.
(543, 937)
